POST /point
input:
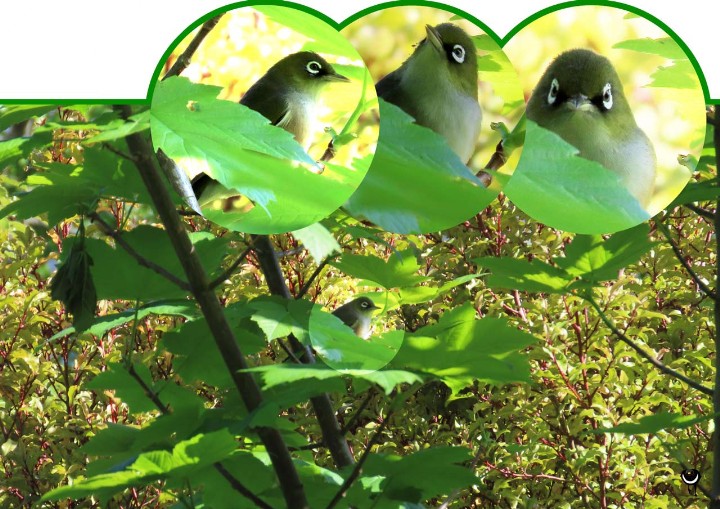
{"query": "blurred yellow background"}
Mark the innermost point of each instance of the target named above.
(674, 119)
(386, 38)
(246, 43)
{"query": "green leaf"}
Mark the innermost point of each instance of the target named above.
(401, 269)
(421, 475)
(532, 276)
(664, 47)
(655, 423)
(318, 240)
(416, 183)
(326, 39)
(121, 129)
(127, 387)
(276, 375)
(118, 275)
(459, 349)
(73, 284)
(279, 317)
(239, 148)
(553, 185)
(338, 346)
(596, 259)
(705, 190)
(679, 75)
(195, 354)
(11, 114)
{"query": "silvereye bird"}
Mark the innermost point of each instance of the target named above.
(357, 315)
(581, 99)
(438, 86)
(287, 95)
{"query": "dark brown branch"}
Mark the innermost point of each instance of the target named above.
(715, 498)
(358, 466)
(652, 360)
(227, 273)
(700, 211)
(290, 483)
(679, 255)
(184, 59)
(336, 443)
(117, 237)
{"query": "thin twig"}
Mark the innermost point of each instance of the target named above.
(151, 395)
(679, 255)
(358, 466)
(652, 360)
(117, 237)
(314, 275)
(497, 161)
(184, 59)
(227, 273)
(356, 415)
(117, 152)
(240, 488)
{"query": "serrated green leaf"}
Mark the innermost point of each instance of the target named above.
(596, 259)
(679, 75)
(459, 349)
(656, 422)
(665, 47)
(11, 114)
(416, 183)
(532, 276)
(401, 269)
(318, 240)
(553, 185)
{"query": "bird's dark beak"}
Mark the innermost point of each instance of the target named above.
(434, 37)
(337, 77)
(579, 102)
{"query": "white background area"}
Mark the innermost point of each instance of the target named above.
(90, 49)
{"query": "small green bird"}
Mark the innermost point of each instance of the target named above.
(581, 99)
(438, 86)
(357, 314)
(287, 95)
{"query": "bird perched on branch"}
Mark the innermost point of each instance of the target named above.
(438, 86)
(287, 95)
(580, 98)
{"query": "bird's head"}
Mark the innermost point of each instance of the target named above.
(448, 51)
(305, 72)
(364, 306)
(580, 82)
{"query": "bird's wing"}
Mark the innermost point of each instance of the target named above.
(267, 99)
(390, 90)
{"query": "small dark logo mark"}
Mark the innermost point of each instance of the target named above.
(691, 478)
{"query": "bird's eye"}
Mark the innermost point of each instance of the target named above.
(364, 304)
(607, 96)
(313, 67)
(458, 53)
(554, 89)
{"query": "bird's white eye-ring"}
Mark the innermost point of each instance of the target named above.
(607, 96)
(458, 53)
(313, 67)
(364, 304)
(554, 89)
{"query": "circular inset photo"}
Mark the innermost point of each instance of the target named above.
(259, 107)
(615, 117)
(450, 104)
